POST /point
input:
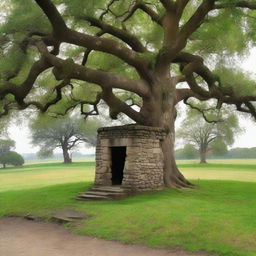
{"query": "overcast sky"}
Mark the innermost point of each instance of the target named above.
(248, 139)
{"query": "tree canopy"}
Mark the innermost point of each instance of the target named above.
(6, 145)
(140, 57)
(7, 156)
(11, 158)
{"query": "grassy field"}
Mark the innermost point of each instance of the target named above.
(218, 216)
(44, 174)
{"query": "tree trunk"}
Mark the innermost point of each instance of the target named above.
(203, 155)
(172, 176)
(4, 165)
(67, 159)
(161, 112)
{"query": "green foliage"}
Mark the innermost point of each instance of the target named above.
(225, 33)
(45, 153)
(212, 36)
(13, 59)
(11, 158)
(6, 146)
(187, 152)
(235, 81)
(24, 16)
(219, 147)
(77, 8)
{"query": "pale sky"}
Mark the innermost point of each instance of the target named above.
(248, 139)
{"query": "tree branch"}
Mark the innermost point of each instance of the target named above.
(106, 45)
(117, 106)
(102, 78)
(196, 20)
(53, 15)
(202, 111)
(125, 36)
(181, 5)
(22, 90)
(168, 4)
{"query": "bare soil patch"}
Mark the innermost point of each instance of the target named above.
(20, 237)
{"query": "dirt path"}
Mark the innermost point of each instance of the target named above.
(19, 237)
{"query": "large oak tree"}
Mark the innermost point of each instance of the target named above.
(126, 53)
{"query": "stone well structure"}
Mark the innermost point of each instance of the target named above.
(130, 156)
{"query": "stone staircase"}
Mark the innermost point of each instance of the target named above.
(99, 193)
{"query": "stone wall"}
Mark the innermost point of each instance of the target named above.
(143, 168)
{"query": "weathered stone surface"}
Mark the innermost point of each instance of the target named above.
(143, 169)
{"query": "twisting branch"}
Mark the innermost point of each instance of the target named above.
(181, 4)
(91, 42)
(125, 36)
(58, 24)
(168, 4)
(193, 64)
(107, 10)
(203, 112)
(143, 7)
(93, 103)
(88, 51)
(22, 90)
(57, 98)
(93, 112)
(102, 78)
(117, 106)
(196, 20)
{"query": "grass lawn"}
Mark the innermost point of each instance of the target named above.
(44, 174)
(218, 217)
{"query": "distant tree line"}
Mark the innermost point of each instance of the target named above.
(190, 152)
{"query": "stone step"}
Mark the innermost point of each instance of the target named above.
(102, 193)
(108, 189)
(92, 197)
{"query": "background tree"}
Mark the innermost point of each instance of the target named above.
(11, 158)
(6, 145)
(187, 152)
(7, 156)
(66, 133)
(205, 136)
(135, 52)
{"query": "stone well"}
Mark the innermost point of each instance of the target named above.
(130, 156)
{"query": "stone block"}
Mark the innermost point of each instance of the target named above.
(104, 142)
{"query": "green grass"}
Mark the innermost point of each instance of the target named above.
(218, 216)
(39, 175)
(215, 171)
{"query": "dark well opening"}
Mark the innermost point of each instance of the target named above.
(118, 155)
